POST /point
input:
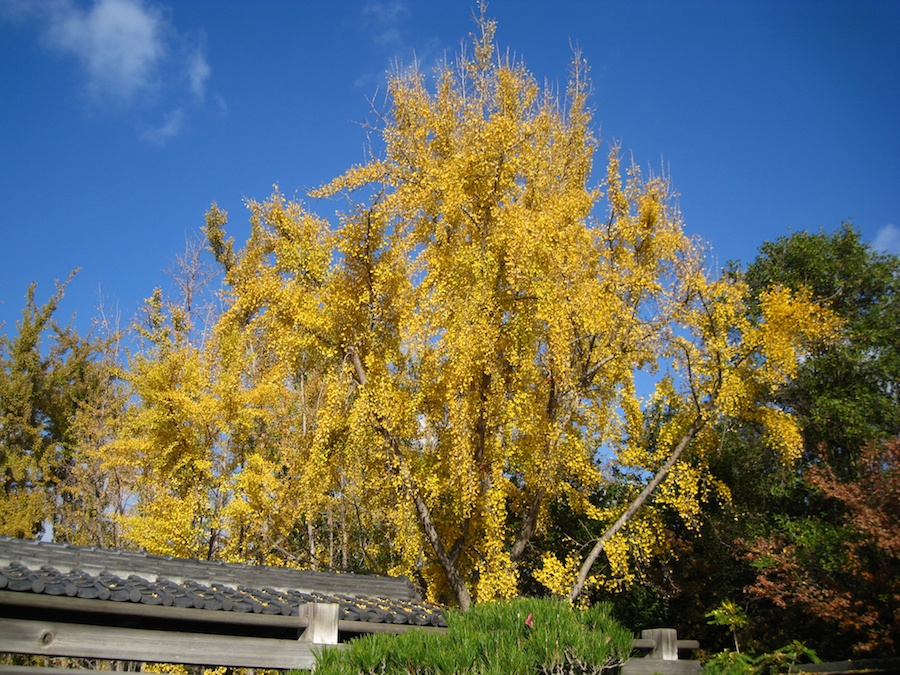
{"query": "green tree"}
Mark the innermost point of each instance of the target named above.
(44, 390)
(849, 394)
(845, 397)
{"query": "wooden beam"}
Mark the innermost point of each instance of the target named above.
(660, 667)
(51, 638)
(649, 643)
(45, 670)
(62, 603)
(666, 647)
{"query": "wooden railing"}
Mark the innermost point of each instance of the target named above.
(71, 627)
(54, 626)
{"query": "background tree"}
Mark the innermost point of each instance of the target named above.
(848, 394)
(44, 391)
(844, 397)
(94, 492)
(847, 397)
(844, 571)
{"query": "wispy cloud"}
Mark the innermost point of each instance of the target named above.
(130, 53)
(119, 43)
(382, 18)
(383, 22)
(198, 72)
(888, 240)
(171, 126)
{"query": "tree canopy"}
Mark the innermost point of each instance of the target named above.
(472, 331)
(496, 371)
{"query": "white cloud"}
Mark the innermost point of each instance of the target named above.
(198, 72)
(381, 21)
(131, 55)
(385, 12)
(888, 240)
(120, 44)
(170, 127)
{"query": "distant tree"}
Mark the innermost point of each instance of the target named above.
(847, 398)
(167, 440)
(846, 572)
(844, 396)
(210, 440)
(848, 394)
(95, 491)
(44, 390)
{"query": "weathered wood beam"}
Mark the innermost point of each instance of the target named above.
(51, 638)
(44, 670)
(132, 610)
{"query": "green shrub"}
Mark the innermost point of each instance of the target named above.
(493, 638)
(779, 661)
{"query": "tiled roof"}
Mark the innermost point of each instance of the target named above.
(119, 576)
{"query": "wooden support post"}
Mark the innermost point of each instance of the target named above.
(663, 644)
(323, 623)
(666, 643)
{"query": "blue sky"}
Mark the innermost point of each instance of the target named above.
(122, 120)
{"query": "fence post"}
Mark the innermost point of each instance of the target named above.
(666, 643)
(323, 623)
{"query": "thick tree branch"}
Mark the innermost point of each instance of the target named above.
(529, 524)
(446, 562)
(688, 436)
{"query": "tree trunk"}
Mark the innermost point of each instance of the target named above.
(448, 564)
(311, 535)
(688, 436)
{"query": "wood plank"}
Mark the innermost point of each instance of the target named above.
(886, 665)
(66, 604)
(50, 638)
(665, 640)
(46, 670)
(642, 643)
(661, 667)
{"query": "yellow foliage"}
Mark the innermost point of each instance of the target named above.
(557, 576)
(409, 391)
(165, 668)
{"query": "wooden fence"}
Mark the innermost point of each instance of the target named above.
(71, 627)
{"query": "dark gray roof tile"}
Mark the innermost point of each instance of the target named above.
(121, 576)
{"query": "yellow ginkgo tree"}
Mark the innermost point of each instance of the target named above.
(466, 341)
